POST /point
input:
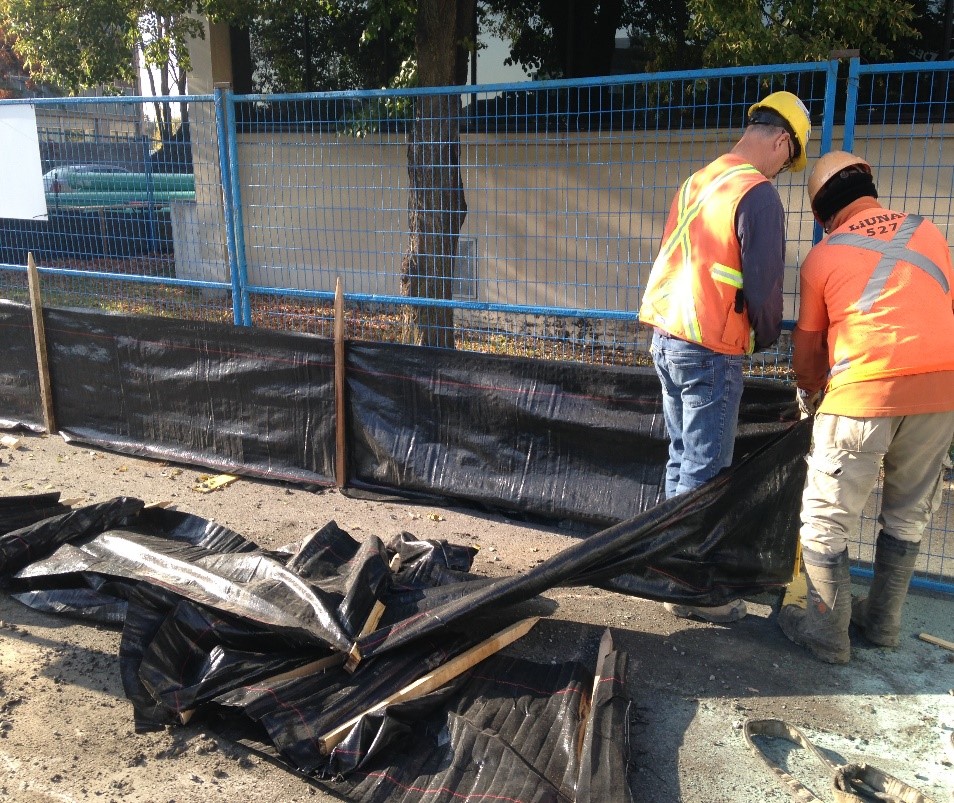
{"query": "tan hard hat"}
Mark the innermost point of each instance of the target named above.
(829, 166)
(795, 114)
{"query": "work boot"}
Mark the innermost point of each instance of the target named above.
(879, 614)
(822, 625)
(732, 611)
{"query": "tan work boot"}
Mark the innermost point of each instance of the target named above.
(822, 625)
(878, 615)
(732, 611)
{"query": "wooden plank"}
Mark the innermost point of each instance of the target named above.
(341, 422)
(307, 669)
(302, 671)
(435, 679)
(373, 618)
(586, 709)
(936, 640)
(354, 655)
(39, 337)
(796, 592)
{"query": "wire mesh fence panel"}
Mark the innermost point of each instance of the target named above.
(507, 206)
(900, 118)
(134, 223)
(518, 219)
(902, 122)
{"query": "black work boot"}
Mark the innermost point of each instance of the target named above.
(822, 625)
(879, 614)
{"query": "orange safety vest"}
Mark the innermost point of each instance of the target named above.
(888, 293)
(693, 285)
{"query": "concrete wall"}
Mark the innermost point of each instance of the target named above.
(198, 227)
(559, 219)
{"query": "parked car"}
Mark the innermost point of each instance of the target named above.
(58, 179)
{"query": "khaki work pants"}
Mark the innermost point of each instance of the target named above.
(843, 468)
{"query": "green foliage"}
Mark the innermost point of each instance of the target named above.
(557, 38)
(74, 45)
(390, 34)
(380, 112)
(320, 45)
(684, 34)
(165, 29)
(11, 66)
(564, 38)
(743, 32)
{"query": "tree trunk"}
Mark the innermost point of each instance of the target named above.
(436, 203)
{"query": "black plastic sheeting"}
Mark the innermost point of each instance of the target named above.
(20, 406)
(209, 619)
(734, 536)
(555, 439)
(213, 623)
(514, 730)
(561, 440)
(20, 511)
(249, 401)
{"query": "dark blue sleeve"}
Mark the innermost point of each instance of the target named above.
(760, 225)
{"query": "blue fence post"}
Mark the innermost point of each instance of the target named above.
(851, 102)
(241, 265)
(828, 124)
(828, 113)
(222, 94)
(150, 195)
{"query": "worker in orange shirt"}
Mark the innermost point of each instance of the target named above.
(874, 364)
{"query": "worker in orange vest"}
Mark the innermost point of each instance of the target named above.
(874, 364)
(714, 294)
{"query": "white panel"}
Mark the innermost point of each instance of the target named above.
(21, 173)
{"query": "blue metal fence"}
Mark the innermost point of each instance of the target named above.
(564, 188)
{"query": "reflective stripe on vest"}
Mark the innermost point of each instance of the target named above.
(689, 213)
(887, 279)
(679, 238)
(727, 275)
(892, 251)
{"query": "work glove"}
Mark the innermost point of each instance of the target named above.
(808, 401)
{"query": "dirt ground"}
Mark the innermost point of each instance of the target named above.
(66, 730)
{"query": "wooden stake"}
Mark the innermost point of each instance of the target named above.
(39, 336)
(373, 618)
(940, 642)
(341, 423)
(435, 679)
(796, 592)
(354, 654)
(308, 669)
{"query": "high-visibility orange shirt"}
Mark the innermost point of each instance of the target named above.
(876, 316)
(694, 290)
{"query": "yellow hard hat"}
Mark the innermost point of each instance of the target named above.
(795, 119)
(829, 166)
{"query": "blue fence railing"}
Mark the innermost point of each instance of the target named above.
(521, 218)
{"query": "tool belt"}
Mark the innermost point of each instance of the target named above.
(851, 783)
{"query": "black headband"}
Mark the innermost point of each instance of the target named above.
(841, 190)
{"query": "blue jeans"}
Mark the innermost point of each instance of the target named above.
(702, 391)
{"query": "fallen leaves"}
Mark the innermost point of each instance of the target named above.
(207, 483)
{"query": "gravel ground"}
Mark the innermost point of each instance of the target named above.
(66, 730)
